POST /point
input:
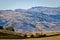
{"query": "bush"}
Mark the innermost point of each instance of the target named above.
(44, 35)
(32, 36)
(25, 36)
(1, 27)
(10, 28)
(38, 35)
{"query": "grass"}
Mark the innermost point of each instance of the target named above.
(9, 35)
(45, 38)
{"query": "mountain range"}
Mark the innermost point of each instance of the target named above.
(33, 19)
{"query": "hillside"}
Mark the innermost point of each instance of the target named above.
(9, 35)
(47, 38)
(6, 34)
(35, 19)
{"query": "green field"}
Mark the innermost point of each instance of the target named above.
(46, 38)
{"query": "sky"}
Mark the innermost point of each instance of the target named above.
(25, 4)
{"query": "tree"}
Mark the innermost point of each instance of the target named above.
(38, 35)
(10, 28)
(1, 27)
(25, 36)
(32, 35)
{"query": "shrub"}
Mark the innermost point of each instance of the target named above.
(10, 28)
(32, 36)
(44, 35)
(1, 27)
(38, 35)
(25, 36)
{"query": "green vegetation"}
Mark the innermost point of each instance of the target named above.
(1, 27)
(10, 28)
(45, 38)
(8, 33)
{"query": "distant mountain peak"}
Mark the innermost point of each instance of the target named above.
(37, 7)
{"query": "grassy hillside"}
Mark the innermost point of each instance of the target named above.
(6, 34)
(46, 38)
(9, 34)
